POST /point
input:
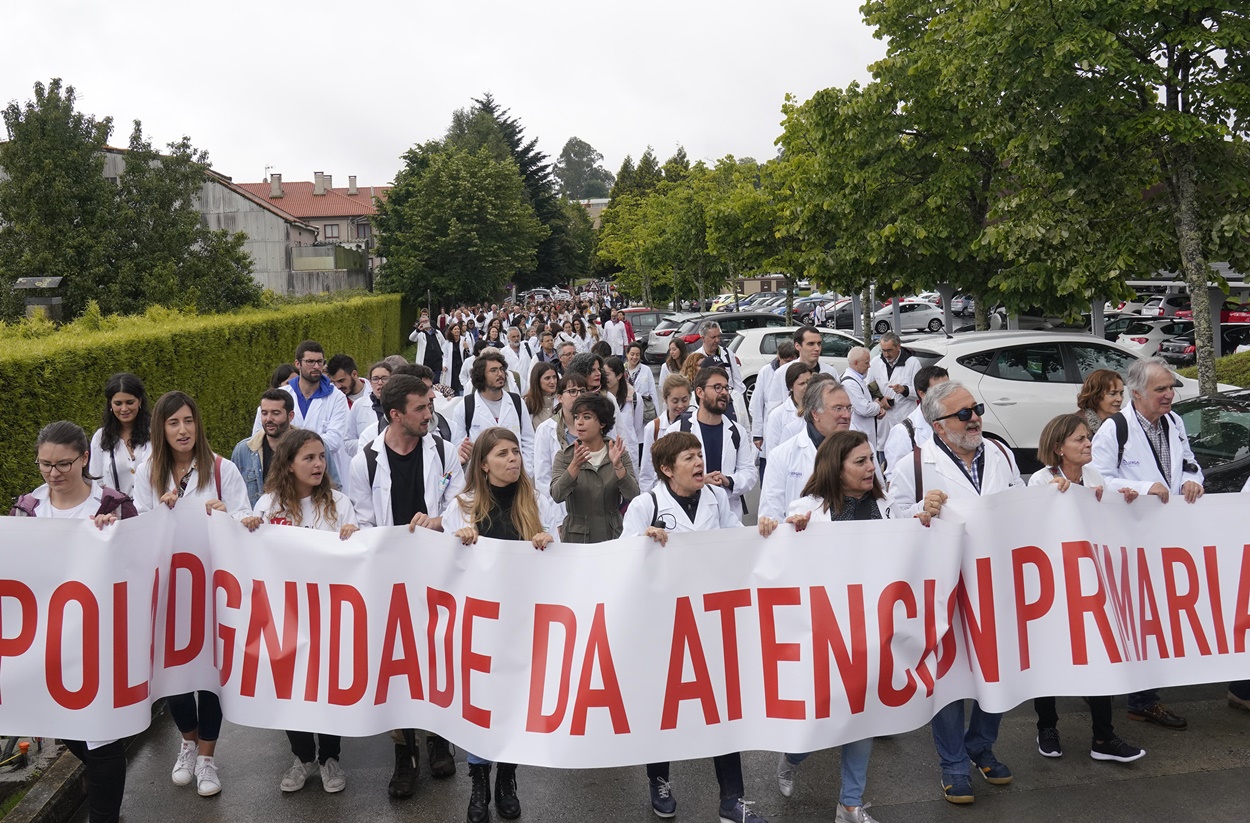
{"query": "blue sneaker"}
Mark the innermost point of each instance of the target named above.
(995, 773)
(662, 801)
(737, 810)
(957, 788)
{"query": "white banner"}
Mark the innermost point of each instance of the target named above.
(622, 652)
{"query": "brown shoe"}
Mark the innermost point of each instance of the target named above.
(1160, 715)
(1238, 702)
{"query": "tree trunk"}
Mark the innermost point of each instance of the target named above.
(981, 311)
(789, 299)
(1182, 188)
(868, 313)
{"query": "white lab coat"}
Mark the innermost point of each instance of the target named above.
(789, 467)
(815, 506)
(617, 336)
(115, 468)
(898, 448)
(864, 409)
(327, 416)
(938, 471)
(453, 518)
(736, 462)
(777, 393)
(714, 512)
(904, 374)
(373, 501)
(483, 419)
(782, 424)
(422, 340)
(1138, 469)
(233, 489)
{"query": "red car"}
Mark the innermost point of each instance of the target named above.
(1230, 312)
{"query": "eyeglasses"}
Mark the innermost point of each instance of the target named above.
(320, 362)
(965, 415)
(573, 392)
(61, 466)
(719, 388)
(840, 409)
(381, 381)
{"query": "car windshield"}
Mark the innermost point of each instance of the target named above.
(1218, 427)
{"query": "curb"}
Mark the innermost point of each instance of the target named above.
(55, 796)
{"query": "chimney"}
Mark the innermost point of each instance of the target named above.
(351, 185)
(275, 185)
(325, 178)
(319, 183)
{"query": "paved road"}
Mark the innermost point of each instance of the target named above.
(1202, 774)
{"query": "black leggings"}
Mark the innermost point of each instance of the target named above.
(728, 774)
(304, 746)
(1099, 710)
(106, 778)
(207, 718)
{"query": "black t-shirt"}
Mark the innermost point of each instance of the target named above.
(407, 485)
(689, 505)
(713, 446)
(266, 457)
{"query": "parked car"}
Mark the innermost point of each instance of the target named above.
(730, 323)
(1218, 428)
(1115, 324)
(1144, 336)
(1180, 351)
(754, 349)
(657, 341)
(913, 314)
(1165, 305)
(643, 320)
(1233, 311)
(962, 304)
(1025, 378)
(723, 302)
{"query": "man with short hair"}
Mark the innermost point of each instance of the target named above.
(808, 342)
(407, 475)
(488, 405)
(1144, 447)
(615, 334)
(363, 415)
(728, 454)
(518, 354)
(866, 413)
(343, 374)
(957, 463)
(253, 454)
(714, 354)
(567, 352)
(319, 406)
(826, 409)
(913, 430)
(894, 372)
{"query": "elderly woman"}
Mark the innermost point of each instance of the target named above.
(592, 476)
(1101, 396)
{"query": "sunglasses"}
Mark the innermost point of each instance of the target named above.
(965, 415)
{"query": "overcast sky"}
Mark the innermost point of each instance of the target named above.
(346, 87)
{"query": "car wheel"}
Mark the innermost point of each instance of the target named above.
(935, 324)
(750, 390)
(881, 327)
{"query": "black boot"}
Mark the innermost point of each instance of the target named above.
(404, 780)
(479, 795)
(506, 801)
(442, 764)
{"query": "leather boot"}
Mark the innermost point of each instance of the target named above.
(404, 780)
(479, 795)
(506, 801)
(442, 764)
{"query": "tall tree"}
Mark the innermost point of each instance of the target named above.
(647, 175)
(579, 173)
(676, 167)
(54, 200)
(456, 223)
(624, 183)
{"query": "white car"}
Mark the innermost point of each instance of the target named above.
(755, 348)
(1144, 336)
(1026, 379)
(916, 315)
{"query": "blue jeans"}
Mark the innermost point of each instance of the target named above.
(955, 746)
(854, 770)
(1141, 700)
(474, 760)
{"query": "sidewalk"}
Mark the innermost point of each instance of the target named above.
(1202, 774)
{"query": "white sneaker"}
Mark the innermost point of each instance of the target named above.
(184, 766)
(858, 815)
(785, 775)
(295, 776)
(207, 782)
(332, 777)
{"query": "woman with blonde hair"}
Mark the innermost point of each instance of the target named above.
(298, 493)
(498, 501)
(693, 363)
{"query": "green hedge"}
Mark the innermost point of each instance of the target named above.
(1233, 369)
(223, 361)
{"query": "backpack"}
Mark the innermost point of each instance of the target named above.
(685, 421)
(470, 400)
(371, 458)
(111, 500)
(1121, 439)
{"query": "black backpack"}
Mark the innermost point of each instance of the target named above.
(470, 401)
(734, 434)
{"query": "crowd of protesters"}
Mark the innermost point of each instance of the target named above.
(541, 423)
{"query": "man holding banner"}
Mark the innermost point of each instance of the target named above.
(956, 463)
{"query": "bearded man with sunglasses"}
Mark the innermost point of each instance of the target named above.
(956, 463)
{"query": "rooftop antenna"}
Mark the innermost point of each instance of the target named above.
(267, 168)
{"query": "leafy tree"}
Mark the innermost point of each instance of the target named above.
(127, 245)
(579, 173)
(647, 175)
(54, 200)
(457, 223)
(1132, 115)
(624, 183)
(676, 167)
(630, 240)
